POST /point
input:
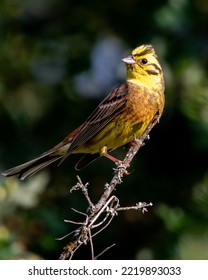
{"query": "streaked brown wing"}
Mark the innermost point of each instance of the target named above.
(106, 111)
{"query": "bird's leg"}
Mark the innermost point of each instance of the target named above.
(104, 152)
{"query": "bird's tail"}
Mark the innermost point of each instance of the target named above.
(29, 168)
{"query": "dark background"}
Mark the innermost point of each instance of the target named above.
(58, 59)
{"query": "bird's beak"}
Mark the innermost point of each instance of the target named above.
(129, 60)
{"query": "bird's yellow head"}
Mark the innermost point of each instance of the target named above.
(143, 66)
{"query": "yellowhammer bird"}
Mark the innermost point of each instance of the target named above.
(122, 115)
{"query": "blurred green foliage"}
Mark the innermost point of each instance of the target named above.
(57, 60)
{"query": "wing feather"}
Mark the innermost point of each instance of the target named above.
(106, 111)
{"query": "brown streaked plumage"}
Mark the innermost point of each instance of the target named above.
(123, 114)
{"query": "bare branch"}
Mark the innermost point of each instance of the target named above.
(83, 188)
(139, 206)
(105, 250)
(91, 245)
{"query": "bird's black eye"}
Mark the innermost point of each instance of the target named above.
(144, 61)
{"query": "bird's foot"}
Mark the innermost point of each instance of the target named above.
(118, 162)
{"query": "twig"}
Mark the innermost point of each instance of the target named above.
(84, 189)
(138, 206)
(105, 250)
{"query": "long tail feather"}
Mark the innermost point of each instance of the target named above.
(29, 168)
